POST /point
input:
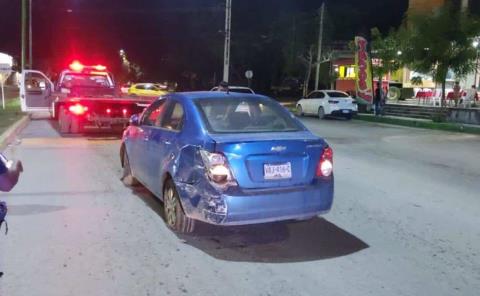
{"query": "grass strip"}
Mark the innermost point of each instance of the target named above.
(443, 126)
(10, 115)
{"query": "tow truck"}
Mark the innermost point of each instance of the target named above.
(83, 98)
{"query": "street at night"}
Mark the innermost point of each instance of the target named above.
(404, 222)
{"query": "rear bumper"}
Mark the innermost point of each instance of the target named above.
(343, 112)
(257, 206)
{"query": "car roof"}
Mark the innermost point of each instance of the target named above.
(205, 95)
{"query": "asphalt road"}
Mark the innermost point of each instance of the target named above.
(405, 221)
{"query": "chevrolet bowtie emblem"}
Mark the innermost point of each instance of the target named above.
(278, 148)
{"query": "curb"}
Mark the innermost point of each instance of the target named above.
(8, 136)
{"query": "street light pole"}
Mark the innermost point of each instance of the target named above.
(226, 53)
(24, 33)
(319, 53)
(30, 39)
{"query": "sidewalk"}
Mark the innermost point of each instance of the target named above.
(420, 123)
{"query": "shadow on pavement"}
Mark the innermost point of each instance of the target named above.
(288, 241)
(279, 242)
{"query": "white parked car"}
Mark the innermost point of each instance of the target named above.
(324, 103)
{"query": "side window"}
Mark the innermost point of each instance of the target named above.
(174, 120)
(35, 83)
(140, 87)
(154, 114)
(315, 95)
(320, 95)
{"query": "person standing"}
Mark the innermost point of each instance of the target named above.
(471, 96)
(457, 93)
(377, 99)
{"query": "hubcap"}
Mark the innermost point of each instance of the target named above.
(170, 207)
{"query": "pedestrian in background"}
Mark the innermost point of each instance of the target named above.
(223, 86)
(471, 96)
(377, 99)
(457, 93)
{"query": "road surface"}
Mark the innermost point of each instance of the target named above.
(405, 221)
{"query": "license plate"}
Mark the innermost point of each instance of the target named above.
(345, 111)
(277, 171)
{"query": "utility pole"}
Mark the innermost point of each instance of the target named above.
(226, 53)
(24, 33)
(30, 54)
(320, 39)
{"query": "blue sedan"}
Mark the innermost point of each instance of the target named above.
(227, 159)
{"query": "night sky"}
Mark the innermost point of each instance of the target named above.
(167, 37)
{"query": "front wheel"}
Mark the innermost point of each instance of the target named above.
(299, 111)
(174, 214)
(321, 113)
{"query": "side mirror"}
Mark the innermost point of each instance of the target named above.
(135, 120)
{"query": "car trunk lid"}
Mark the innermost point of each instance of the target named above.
(257, 161)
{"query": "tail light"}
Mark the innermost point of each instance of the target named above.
(217, 168)
(108, 110)
(78, 109)
(325, 165)
(124, 112)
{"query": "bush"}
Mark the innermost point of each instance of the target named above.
(439, 117)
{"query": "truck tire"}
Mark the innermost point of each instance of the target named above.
(76, 125)
(63, 122)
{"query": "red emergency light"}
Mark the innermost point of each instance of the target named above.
(76, 66)
(79, 67)
(100, 67)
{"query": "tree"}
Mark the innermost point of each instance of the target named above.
(385, 51)
(440, 42)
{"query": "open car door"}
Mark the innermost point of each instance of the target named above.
(35, 91)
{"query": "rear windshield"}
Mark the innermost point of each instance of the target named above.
(249, 115)
(337, 94)
(71, 80)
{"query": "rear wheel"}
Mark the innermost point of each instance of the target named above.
(299, 111)
(174, 214)
(127, 178)
(76, 126)
(321, 113)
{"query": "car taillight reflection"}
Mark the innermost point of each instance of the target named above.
(325, 165)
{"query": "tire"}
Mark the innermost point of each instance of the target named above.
(321, 113)
(76, 126)
(348, 117)
(127, 177)
(174, 215)
(299, 111)
(63, 122)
